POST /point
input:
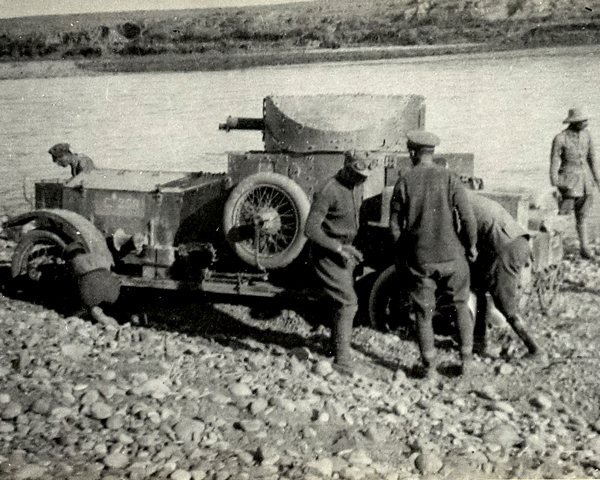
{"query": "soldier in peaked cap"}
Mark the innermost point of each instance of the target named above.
(62, 156)
(573, 171)
(331, 227)
(430, 255)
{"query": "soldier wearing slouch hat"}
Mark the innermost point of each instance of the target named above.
(573, 172)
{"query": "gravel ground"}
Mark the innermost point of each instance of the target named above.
(191, 389)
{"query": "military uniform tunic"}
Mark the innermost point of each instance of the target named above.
(81, 164)
(503, 252)
(339, 202)
(573, 163)
(430, 255)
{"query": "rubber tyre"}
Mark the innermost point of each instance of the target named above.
(279, 194)
(383, 315)
(386, 310)
(39, 244)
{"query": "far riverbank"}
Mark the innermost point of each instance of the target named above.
(215, 62)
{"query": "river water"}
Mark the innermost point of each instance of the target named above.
(504, 108)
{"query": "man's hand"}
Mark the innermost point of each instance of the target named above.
(351, 255)
(556, 193)
(472, 254)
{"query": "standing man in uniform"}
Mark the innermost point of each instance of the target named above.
(430, 255)
(331, 226)
(573, 171)
(63, 157)
(504, 251)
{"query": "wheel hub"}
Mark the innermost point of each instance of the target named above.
(267, 219)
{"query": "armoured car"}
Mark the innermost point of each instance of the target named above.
(241, 232)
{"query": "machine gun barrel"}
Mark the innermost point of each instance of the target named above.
(241, 123)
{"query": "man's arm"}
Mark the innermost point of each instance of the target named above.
(395, 212)
(314, 223)
(555, 159)
(468, 222)
(395, 229)
(591, 159)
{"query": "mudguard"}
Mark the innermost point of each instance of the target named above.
(71, 224)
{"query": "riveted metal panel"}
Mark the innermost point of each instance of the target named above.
(313, 123)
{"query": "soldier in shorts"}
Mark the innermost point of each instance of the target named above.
(574, 173)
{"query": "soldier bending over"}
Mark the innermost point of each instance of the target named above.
(97, 286)
(503, 252)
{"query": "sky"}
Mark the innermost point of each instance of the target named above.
(26, 8)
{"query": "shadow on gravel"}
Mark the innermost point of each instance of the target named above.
(415, 371)
(198, 314)
(191, 313)
(216, 317)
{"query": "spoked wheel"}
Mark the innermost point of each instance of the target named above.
(264, 220)
(547, 284)
(39, 258)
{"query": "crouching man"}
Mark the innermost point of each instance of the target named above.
(97, 286)
(503, 253)
(331, 226)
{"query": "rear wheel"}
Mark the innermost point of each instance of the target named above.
(264, 220)
(39, 258)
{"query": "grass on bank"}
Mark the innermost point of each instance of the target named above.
(208, 39)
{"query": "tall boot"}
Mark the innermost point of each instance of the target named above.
(584, 247)
(517, 324)
(465, 329)
(427, 344)
(342, 338)
(480, 328)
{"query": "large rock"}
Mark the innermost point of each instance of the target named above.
(429, 463)
(101, 411)
(30, 472)
(323, 467)
(11, 410)
(504, 436)
(189, 430)
(116, 460)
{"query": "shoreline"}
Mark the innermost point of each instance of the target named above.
(30, 69)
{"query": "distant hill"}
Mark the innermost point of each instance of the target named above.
(321, 24)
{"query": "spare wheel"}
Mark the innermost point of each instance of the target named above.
(264, 220)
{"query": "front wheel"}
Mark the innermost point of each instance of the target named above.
(264, 220)
(39, 258)
(389, 308)
(384, 302)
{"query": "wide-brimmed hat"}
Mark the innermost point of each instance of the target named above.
(575, 115)
(361, 162)
(422, 139)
